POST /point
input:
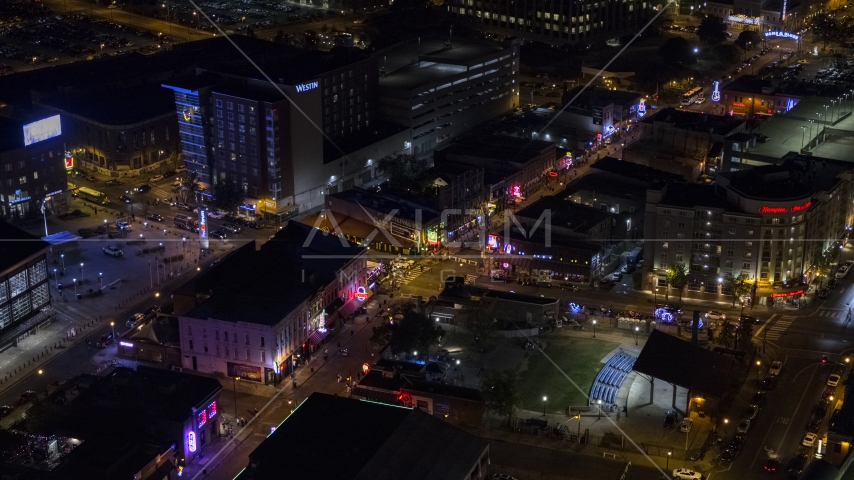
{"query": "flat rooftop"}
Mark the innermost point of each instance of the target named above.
(565, 214)
(386, 203)
(113, 106)
(798, 176)
(264, 286)
(749, 84)
(695, 121)
(17, 245)
(633, 171)
(696, 196)
(377, 441)
(588, 97)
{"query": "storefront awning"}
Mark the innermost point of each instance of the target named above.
(317, 337)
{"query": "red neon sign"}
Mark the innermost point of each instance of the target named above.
(361, 294)
(794, 208)
(552, 174)
(737, 104)
(788, 294)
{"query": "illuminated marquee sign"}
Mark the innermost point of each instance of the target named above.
(432, 236)
(361, 294)
(191, 441)
(366, 368)
(203, 223)
(716, 94)
(126, 344)
(42, 130)
(642, 108)
(492, 241)
(777, 33)
(552, 174)
(212, 410)
(744, 19)
(307, 86)
(188, 114)
(202, 418)
(792, 209)
(69, 161)
(790, 104)
(787, 294)
(737, 104)
(516, 191)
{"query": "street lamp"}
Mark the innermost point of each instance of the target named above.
(636, 335)
(668, 460)
(803, 129)
(758, 363)
(113, 327)
(81, 270)
(101, 279)
(62, 257)
(167, 17)
(234, 389)
(599, 402)
(75, 286)
(726, 421)
(544, 405)
(594, 328)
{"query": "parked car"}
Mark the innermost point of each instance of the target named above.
(25, 398)
(251, 224)
(809, 439)
(832, 283)
(568, 286)
(728, 454)
(713, 315)
(686, 474)
(5, 410)
(687, 423)
(155, 217)
(113, 251)
(123, 225)
(750, 319)
(106, 340)
(134, 320)
(180, 168)
(776, 367)
(823, 293)
(833, 380)
(736, 442)
(124, 198)
(218, 234)
(215, 214)
(143, 188)
(797, 464)
(751, 412)
(743, 426)
(231, 228)
(670, 419)
(616, 276)
(156, 178)
(626, 269)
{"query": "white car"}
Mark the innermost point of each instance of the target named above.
(751, 412)
(776, 366)
(616, 276)
(215, 214)
(686, 474)
(842, 272)
(123, 225)
(809, 439)
(156, 178)
(833, 380)
(180, 168)
(625, 268)
(743, 426)
(687, 423)
(713, 315)
(113, 251)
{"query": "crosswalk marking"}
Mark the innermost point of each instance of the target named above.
(832, 313)
(779, 327)
(410, 275)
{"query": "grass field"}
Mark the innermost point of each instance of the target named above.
(579, 358)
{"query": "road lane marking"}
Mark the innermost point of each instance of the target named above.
(759, 330)
(798, 406)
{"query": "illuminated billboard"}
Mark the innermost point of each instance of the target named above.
(42, 130)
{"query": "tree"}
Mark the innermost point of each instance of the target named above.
(677, 50)
(677, 277)
(480, 322)
(726, 53)
(744, 335)
(228, 196)
(712, 30)
(740, 286)
(405, 173)
(726, 333)
(500, 392)
(748, 39)
(822, 268)
(413, 333)
(188, 188)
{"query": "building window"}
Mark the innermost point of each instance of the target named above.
(263, 356)
(746, 265)
(206, 347)
(22, 179)
(262, 342)
(219, 113)
(191, 344)
(217, 350)
(190, 330)
(216, 335)
(219, 103)
(225, 335)
(239, 108)
(230, 106)
(226, 351)
(247, 354)
(247, 339)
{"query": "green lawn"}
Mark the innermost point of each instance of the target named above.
(578, 358)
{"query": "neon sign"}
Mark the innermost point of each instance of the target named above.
(787, 294)
(361, 294)
(307, 86)
(790, 104)
(432, 236)
(191, 441)
(794, 208)
(516, 191)
(744, 19)
(212, 410)
(641, 108)
(508, 248)
(126, 344)
(366, 368)
(492, 241)
(716, 94)
(188, 113)
(737, 104)
(202, 418)
(69, 161)
(552, 174)
(777, 33)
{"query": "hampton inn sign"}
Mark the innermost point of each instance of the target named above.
(792, 209)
